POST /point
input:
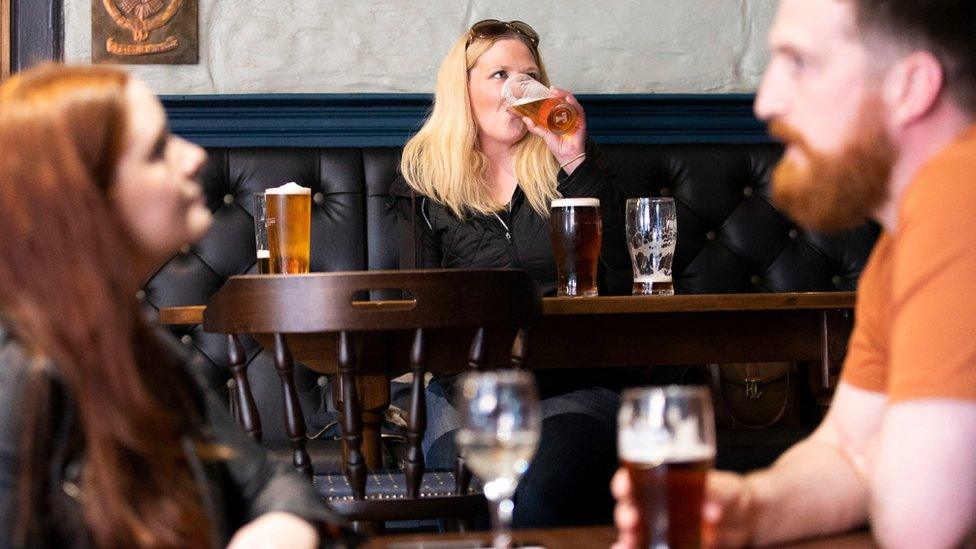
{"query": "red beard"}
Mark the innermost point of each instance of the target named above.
(835, 192)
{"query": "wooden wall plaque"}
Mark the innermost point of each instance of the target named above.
(157, 32)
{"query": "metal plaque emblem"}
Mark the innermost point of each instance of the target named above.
(145, 31)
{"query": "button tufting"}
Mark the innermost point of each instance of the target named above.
(140, 295)
(794, 233)
(228, 199)
(837, 280)
(186, 340)
(711, 235)
(754, 280)
(185, 249)
(232, 384)
(747, 191)
(319, 198)
(664, 191)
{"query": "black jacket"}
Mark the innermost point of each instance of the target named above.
(432, 237)
(236, 491)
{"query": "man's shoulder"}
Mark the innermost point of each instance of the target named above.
(946, 186)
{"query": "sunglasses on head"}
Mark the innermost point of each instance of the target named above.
(490, 28)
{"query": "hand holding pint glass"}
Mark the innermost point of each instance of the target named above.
(528, 97)
(666, 443)
(576, 231)
(652, 235)
(289, 221)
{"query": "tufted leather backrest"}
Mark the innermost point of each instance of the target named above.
(731, 239)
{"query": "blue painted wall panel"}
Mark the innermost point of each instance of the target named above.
(358, 120)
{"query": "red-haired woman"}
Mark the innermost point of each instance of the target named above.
(105, 440)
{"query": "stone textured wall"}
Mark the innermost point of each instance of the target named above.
(359, 46)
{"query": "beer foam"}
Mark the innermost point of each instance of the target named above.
(264, 254)
(570, 202)
(527, 100)
(289, 188)
(656, 276)
(656, 446)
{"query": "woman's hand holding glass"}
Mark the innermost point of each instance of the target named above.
(562, 129)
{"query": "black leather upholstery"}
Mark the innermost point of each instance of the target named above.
(731, 239)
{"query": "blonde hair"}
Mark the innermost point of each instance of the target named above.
(443, 161)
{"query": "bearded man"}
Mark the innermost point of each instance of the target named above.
(875, 101)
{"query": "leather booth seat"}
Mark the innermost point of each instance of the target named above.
(731, 239)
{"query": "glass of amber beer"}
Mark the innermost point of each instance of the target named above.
(289, 224)
(666, 442)
(652, 235)
(528, 97)
(261, 233)
(576, 231)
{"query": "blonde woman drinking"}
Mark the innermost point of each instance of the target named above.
(475, 190)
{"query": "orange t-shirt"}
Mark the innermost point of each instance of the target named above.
(915, 320)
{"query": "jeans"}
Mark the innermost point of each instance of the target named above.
(568, 482)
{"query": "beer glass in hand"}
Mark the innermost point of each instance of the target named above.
(261, 233)
(528, 97)
(652, 235)
(289, 228)
(576, 232)
(500, 426)
(666, 442)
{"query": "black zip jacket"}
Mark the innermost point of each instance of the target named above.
(432, 237)
(236, 490)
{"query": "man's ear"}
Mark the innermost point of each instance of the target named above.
(912, 87)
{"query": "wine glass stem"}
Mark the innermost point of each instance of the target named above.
(501, 522)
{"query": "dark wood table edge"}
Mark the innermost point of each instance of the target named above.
(557, 306)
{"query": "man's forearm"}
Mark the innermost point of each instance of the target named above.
(813, 489)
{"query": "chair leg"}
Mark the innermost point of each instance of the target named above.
(417, 422)
(294, 418)
(352, 421)
(247, 410)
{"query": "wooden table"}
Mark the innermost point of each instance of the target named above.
(590, 537)
(641, 331)
(600, 332)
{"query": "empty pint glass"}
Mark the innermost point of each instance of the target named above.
(289, 228)
(576, 231)
(652, 233)
(528, 97)
(666, 442)
(261, 233)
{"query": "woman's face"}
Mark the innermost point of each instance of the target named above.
(504, 58)
(155, 187)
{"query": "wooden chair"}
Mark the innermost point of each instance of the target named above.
(324, 316)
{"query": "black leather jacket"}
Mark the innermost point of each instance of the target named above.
(236, 491)
(432, 237)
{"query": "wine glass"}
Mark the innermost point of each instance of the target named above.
(500, 427)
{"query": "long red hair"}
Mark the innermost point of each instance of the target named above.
(67, 294)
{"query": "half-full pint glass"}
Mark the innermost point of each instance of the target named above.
(289, 228)
(528, 97)
(666, 442)
(576, 231)
(652, 234)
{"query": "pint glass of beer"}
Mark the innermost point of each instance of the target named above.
(652, 234)
(528, 97)
(261, 233)
(666, 442)
(576, 231)
(289, 228)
